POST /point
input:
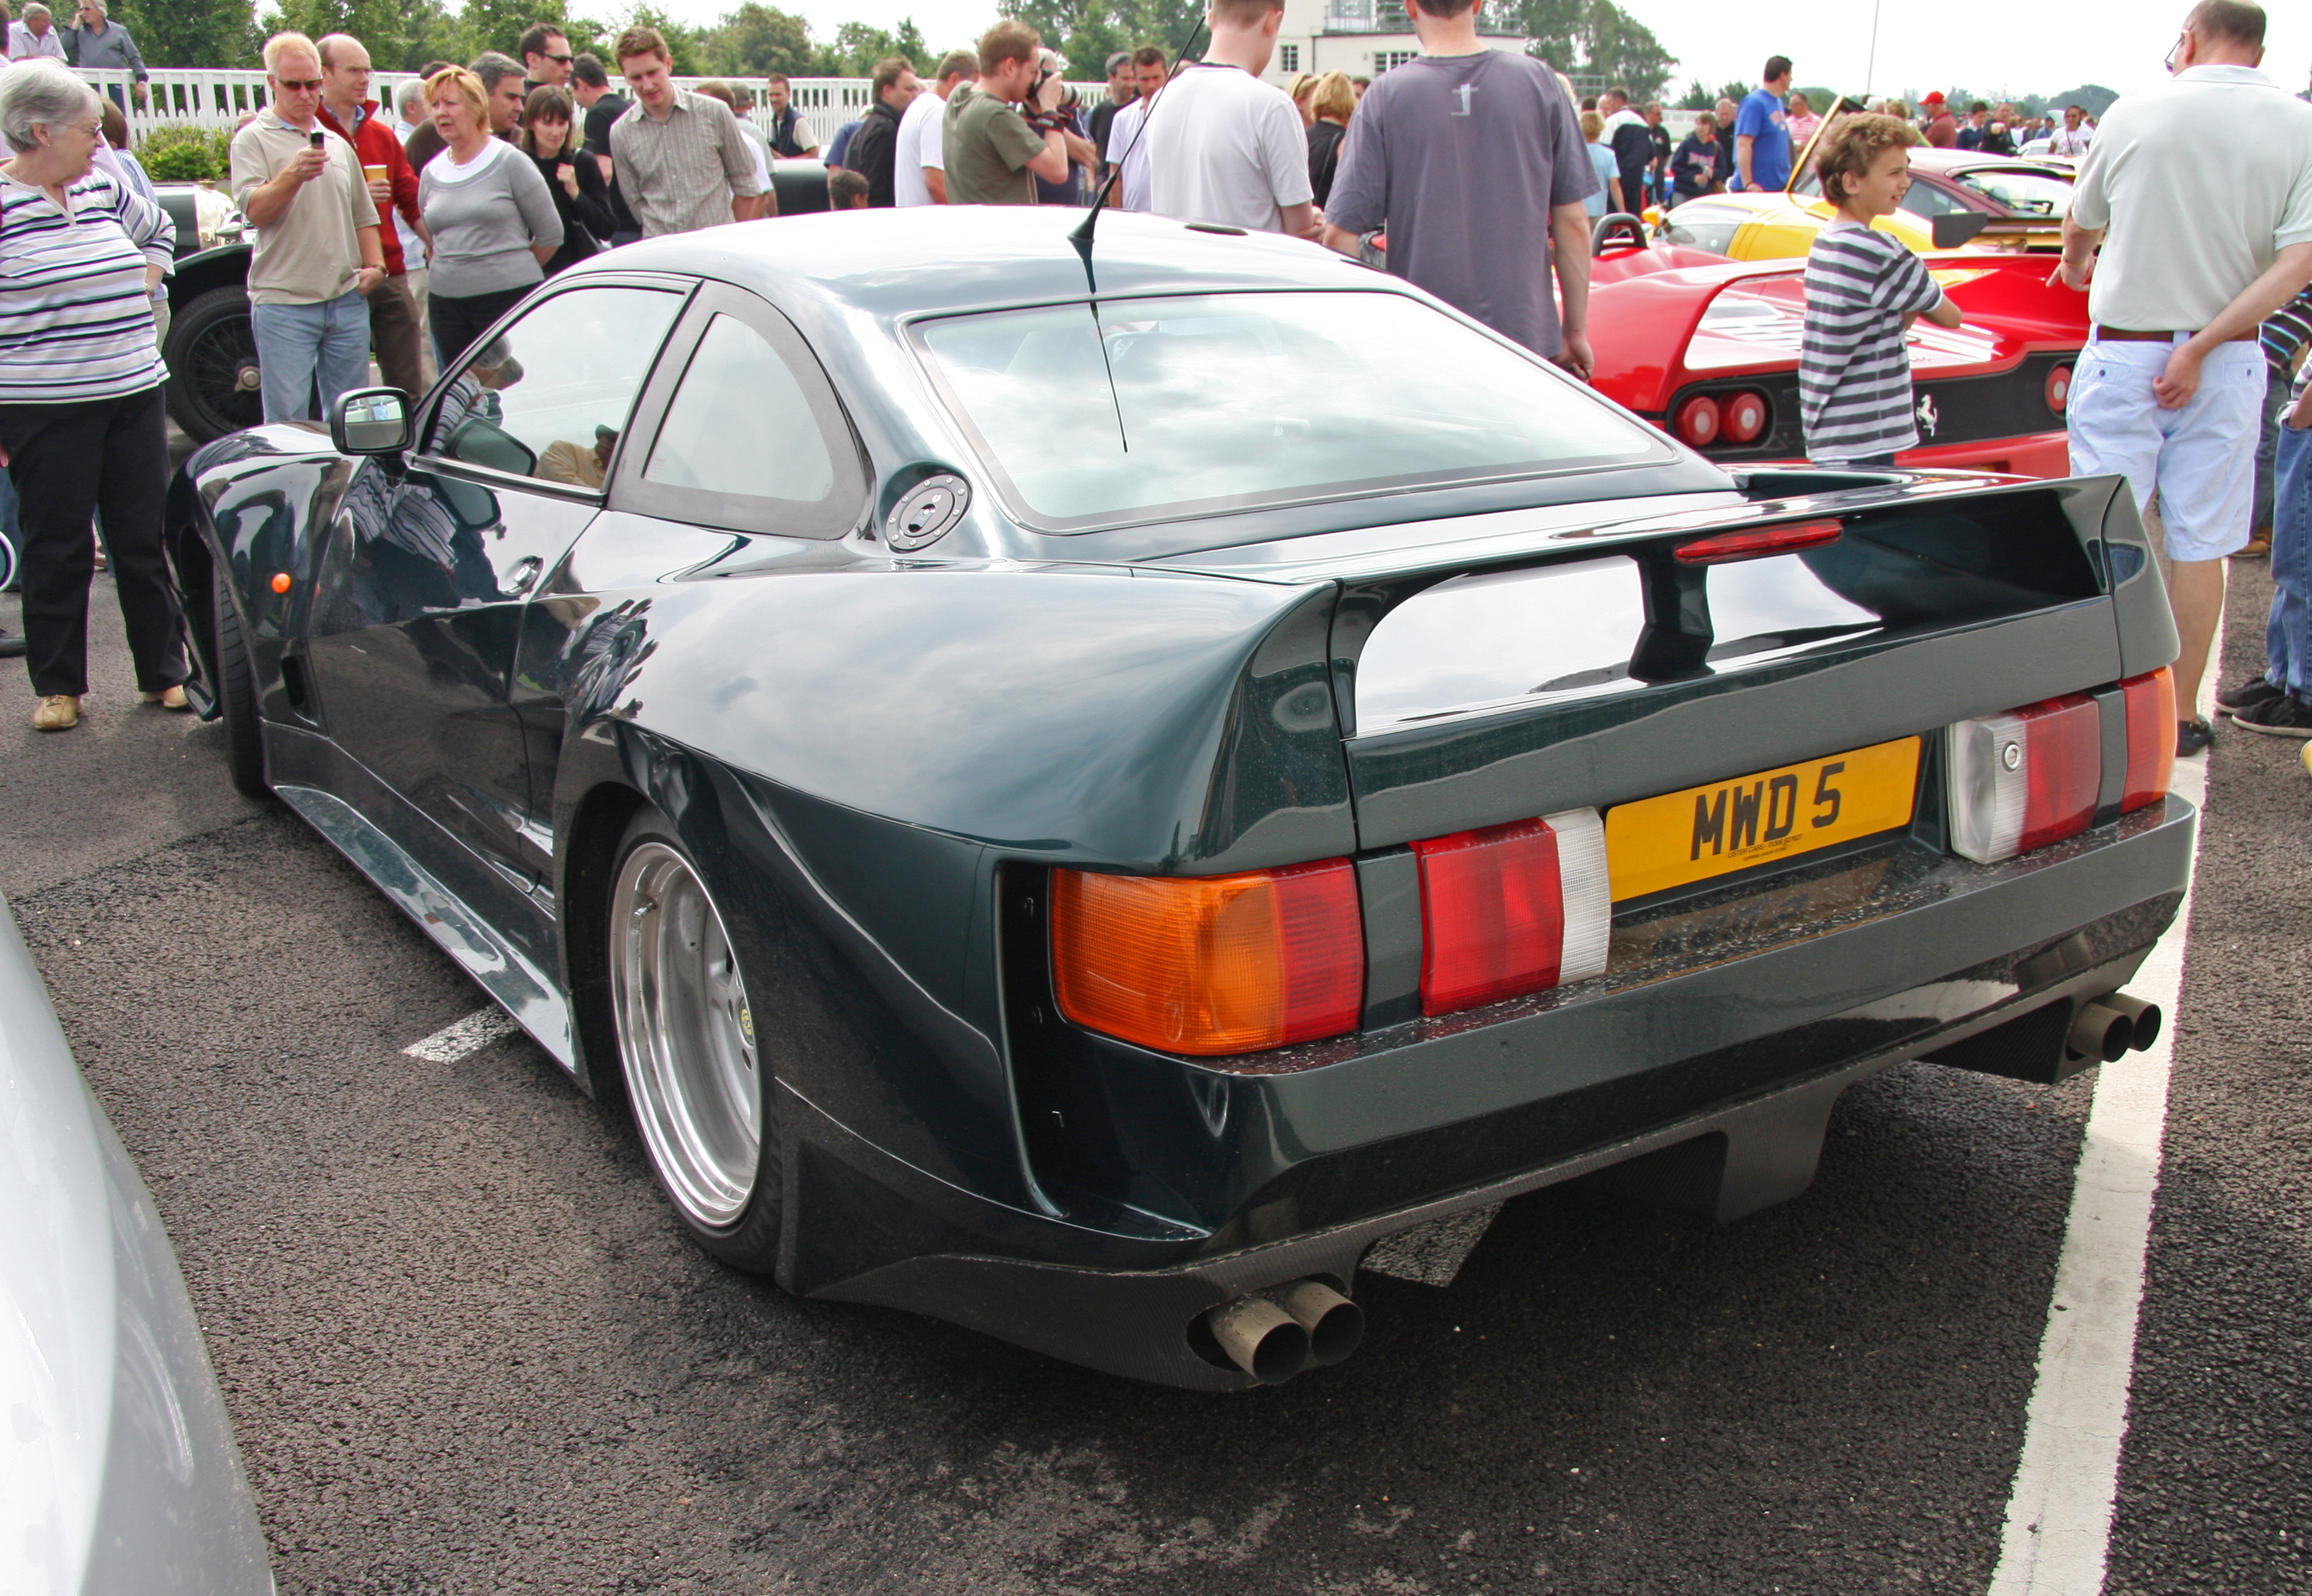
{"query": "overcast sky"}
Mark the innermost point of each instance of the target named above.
(2036, 46)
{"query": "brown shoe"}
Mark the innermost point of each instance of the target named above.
(167, 699)
(2258, 546)
(59, 712)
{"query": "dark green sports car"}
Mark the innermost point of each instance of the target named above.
(1078, 787)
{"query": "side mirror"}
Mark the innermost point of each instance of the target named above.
(371, 421)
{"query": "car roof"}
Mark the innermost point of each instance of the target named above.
(1953, 162)
(937, 259)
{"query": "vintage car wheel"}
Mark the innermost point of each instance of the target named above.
(236, 692)
(213, 372)
(686, 1042)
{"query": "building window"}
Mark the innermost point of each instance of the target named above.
(1288, 58)
(1385, 59)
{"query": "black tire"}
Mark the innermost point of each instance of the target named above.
(727, 1195)
(212, 360)
(236, 693)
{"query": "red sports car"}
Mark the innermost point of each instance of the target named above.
(1707, 349)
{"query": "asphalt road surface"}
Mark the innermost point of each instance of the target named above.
(467, 1349)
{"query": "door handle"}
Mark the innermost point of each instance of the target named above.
(519, 580)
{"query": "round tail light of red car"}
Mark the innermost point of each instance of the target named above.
(1697, 421)
(1744, 417)
(2059, 389)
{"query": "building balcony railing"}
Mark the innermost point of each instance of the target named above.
(1380, 16)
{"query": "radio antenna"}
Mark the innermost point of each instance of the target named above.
(1081, 235)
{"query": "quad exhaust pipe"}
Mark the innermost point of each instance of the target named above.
(1274, 1334)
(2113, 1025)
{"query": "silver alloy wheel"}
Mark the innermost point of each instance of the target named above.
(686, 1036)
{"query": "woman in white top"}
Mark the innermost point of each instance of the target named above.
(493, 222)
(82, 429)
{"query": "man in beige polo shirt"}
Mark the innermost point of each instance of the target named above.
(318, 253)
(2199, 192)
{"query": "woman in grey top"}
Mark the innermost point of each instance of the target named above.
(494, 223)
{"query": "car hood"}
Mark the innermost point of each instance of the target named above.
(118, 1469)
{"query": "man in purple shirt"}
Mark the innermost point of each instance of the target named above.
(1472, 159)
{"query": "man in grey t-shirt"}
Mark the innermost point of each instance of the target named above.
(1472, 160)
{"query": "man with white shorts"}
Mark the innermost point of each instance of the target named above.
(2201, 194)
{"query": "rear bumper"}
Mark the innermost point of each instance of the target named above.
(2043, 455)
(1739, 1018)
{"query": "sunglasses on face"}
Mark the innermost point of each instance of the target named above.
(297, 85)
(560, 60)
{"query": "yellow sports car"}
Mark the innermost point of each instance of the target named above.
(1958, 199)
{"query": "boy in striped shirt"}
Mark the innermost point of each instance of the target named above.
(1863, 288)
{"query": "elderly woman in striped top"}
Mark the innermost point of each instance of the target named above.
(79, 390)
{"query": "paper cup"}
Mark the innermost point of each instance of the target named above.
(375, 174)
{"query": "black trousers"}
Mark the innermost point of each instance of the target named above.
(69, 462)
(459, 320)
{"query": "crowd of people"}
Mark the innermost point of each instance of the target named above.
(410, 231)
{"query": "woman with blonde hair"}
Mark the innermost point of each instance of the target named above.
(494, 223)
(1332, 101)
(1303, 86)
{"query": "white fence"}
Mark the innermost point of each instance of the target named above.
(220, 99)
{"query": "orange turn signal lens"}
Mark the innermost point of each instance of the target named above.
(281, 582)
(1213, 964)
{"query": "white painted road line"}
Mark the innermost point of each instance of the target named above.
(2058, 1532)
(471, 1034)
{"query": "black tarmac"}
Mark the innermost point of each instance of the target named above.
(468, 1349)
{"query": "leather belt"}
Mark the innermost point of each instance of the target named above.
(2128, 335)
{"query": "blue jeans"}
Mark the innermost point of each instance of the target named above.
(2276, 384)
(2288, 634)
(301, 348)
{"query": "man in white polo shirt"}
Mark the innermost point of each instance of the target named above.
(1231, 149)
(919, 170)
(2201, 192)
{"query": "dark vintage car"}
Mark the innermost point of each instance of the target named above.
(1081, 812)
(213, 384)
(211, 351)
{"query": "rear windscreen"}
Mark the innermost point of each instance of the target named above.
(1139, 409)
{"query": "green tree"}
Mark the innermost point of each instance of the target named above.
(1735, 91)
(381, 25)
(191, 33)
(1088, 31)
(2092, 98)
(1697, 96)
(1596, 37)
(682, 43)
(755, 41)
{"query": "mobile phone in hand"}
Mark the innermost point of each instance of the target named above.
(317, 138)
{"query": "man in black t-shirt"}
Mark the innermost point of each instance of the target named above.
(1123, 89)
(590, 84)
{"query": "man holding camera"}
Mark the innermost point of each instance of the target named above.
(1008, 129)
(318, 252)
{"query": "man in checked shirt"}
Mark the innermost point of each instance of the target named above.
(681, 162)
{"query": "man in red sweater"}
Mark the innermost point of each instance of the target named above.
(347, 111)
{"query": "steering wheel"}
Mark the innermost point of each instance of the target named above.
(1620, 222)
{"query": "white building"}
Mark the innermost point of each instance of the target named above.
(1362, 37)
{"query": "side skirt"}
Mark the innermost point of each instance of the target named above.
(518, 986)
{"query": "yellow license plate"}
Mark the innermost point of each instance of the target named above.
(1658, 843)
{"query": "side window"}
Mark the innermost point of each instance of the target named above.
(742, 431)
(1924, 200)
(550, 397)
(1702, 226)
(740, 424)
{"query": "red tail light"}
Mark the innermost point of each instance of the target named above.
(1211, 964)
(2059, 389)
(1744, 417)
(1722, 548)
(1513, 909)
(2024, 779)
(2150, 701)
(1697, 421)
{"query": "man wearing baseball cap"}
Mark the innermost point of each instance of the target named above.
(1943, 128)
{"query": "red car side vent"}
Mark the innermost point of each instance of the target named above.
(1721, 548)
